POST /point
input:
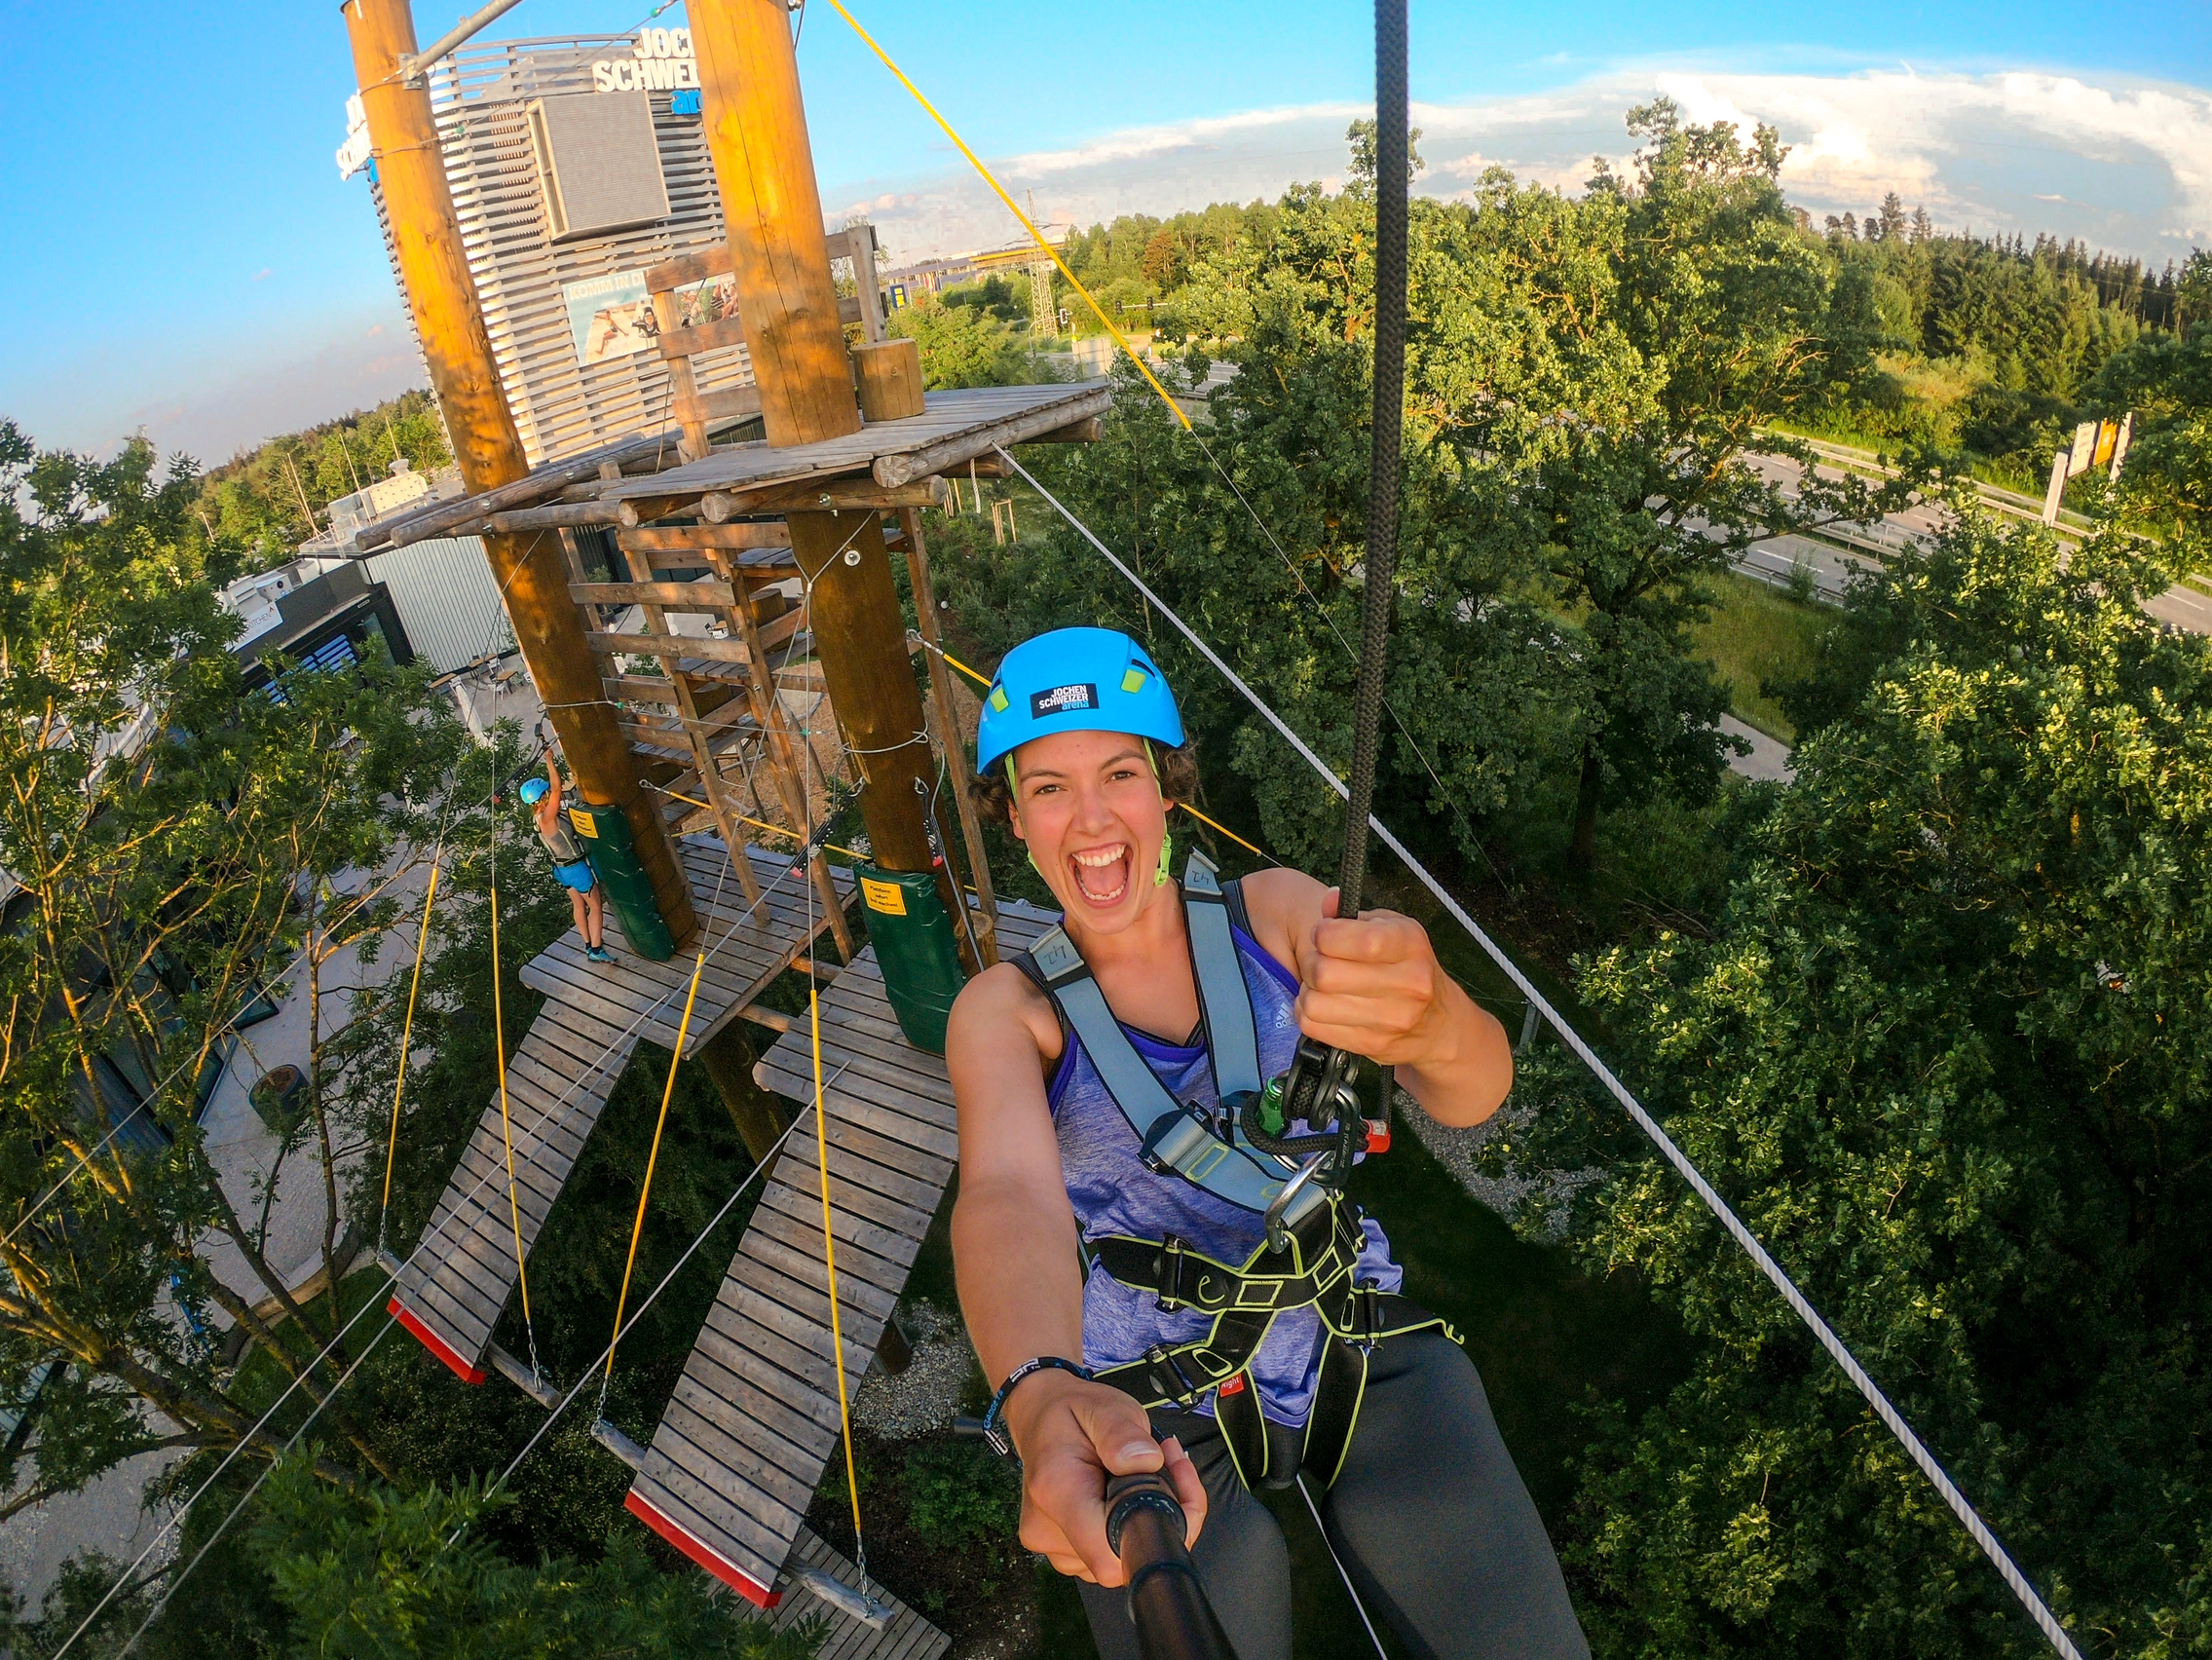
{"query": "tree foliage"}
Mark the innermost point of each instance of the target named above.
(1945, 1054)
(176, 842)
(271, 499)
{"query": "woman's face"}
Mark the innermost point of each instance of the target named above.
(1089, 808)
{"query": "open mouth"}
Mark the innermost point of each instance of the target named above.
(1102, 874)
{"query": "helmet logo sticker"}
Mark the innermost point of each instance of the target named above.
(1063, 701)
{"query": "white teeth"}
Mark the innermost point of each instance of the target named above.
(1102, 859)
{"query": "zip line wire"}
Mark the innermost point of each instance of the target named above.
(1961, 1507)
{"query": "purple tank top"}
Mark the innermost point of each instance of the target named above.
(1113, 1193)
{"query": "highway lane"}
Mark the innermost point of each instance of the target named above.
(1770, 561)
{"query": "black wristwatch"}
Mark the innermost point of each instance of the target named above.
(994, 1425)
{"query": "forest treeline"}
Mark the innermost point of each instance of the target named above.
(272, 497)
(1986, 345)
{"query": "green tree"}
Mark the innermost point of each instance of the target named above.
(2166, 483)
(175, 842)
(272, 498)
(1944, 1053)
(376, 1574)
(961, 345)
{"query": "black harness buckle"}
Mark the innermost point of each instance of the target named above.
(1185, 1395)
(1367, 1300)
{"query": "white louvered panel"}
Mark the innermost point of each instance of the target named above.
(561, 406)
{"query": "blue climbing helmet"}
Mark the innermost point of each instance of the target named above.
(1074, 680)
(533, 791)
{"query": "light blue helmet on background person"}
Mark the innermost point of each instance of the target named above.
(1074, 680)
(533, 791)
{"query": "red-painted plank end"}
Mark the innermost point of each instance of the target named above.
(436, 1345)
(744, 1584)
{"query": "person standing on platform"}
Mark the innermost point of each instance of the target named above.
(588, 900)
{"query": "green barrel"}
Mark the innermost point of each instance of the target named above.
(914, 943)
(614, 859)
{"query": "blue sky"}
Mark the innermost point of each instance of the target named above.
(183, 257)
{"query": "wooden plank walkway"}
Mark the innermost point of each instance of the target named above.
(908, 1637)
(450, 1295)
(752, 947)
(754, 1417)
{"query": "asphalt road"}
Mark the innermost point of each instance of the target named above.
(1771, 561)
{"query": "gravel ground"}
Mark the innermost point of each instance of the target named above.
(1457, 1151)
(926, 1395)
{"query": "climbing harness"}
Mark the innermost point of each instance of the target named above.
(1310, 1255)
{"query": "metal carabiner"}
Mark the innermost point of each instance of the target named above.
(1278, 1232)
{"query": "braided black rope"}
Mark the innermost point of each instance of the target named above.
(1390, 181)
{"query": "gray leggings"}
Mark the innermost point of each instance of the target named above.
(1429, 1517)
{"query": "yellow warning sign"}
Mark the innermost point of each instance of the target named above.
(888, 897)
(586, 825)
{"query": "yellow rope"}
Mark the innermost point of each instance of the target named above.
(1225, 830)
(830, 1253)
(506, 1125)
(407, 1035)
(983, 680)
(652, 1158)
(1035, 235)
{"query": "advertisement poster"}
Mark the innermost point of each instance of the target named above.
(612, 316)
(709, 301)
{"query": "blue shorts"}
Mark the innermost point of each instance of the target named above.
(576, 876)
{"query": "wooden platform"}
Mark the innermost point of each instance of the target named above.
(452, 1291)
(750, 953)
(909, 1637)
(754, 1417)
(954, 428)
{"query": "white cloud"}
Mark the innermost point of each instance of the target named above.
(2124, 165)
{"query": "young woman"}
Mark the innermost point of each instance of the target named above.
(587, 901)
(1113, 1238)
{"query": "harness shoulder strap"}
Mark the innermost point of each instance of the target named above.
(1224, 1000)
(1232, 894)
(1175, 1138)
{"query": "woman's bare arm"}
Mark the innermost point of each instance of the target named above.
(1374, 986)
(1015, 1257)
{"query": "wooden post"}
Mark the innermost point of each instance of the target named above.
(890, 373)
(759, 1116)
(951, 742)
(755, 127)
(530, 567)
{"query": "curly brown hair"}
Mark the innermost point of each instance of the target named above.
(1177, 770)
